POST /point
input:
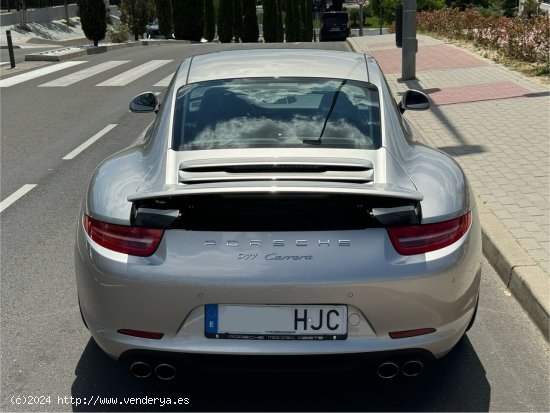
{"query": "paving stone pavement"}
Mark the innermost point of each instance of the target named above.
(495, 122)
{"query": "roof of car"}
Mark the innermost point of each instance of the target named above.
(278, 63)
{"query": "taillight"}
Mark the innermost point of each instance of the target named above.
(420, 239)
(127, 240)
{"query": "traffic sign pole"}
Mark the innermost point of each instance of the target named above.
(360, 20)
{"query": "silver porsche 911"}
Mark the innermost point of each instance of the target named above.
(278, 206)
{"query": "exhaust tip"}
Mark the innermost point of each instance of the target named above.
(165, 371)
(387, 370)
(140, 369)
(412, 368)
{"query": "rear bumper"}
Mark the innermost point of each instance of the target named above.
(217, 363)
(388, 292)
(334, 35)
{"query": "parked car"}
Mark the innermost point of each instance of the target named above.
(278, 205)
(153, 29)
(334, 26)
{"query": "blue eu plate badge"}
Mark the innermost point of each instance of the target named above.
(211, 319)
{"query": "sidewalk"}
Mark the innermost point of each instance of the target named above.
(495, 123)
(52, 33)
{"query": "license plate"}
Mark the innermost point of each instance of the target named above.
(276, 322)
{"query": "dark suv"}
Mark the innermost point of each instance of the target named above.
(334, 26)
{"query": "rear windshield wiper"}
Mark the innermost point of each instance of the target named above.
(332, 105)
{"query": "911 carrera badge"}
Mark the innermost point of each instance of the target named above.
(281, 243)
(275, 257)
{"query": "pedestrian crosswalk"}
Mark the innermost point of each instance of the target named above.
(14, 80)
(164, 82)
(130, 75)
(83, 74)
(132, 71)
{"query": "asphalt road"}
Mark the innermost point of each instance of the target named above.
(501, 365)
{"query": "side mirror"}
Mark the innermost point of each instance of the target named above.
(414, 100)
(144, 102)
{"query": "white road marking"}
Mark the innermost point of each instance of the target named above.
(14, 80)
(15, 196)
(164, 82)
(89, 142)
(130, 75)
(83, 74)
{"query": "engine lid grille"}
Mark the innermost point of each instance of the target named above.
(361, 172)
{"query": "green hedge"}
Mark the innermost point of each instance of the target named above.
(518, 38)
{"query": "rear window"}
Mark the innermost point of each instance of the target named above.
(282, 112)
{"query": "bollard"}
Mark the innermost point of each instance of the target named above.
(10, 49)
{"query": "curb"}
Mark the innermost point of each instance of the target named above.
(5, 46)
(46, 56)
(84, 51)
(522, 276)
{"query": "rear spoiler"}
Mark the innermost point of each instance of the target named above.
(161, 209)
(279, 187)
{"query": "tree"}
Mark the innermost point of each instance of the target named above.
(306, 13)
(280, 26)
(188, 16)
(237, 19)
(136, 14)
(251, 31)
(464, 4)
(388, 9)
(270, 20)
(530, 9)
(296, 21)
(93, 18)
(337, 5)
(289, 21)
(422, 5)
(510, 7)
(209, 26)
(164, 15)
(225, 21)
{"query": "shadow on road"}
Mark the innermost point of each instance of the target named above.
(455, 383)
